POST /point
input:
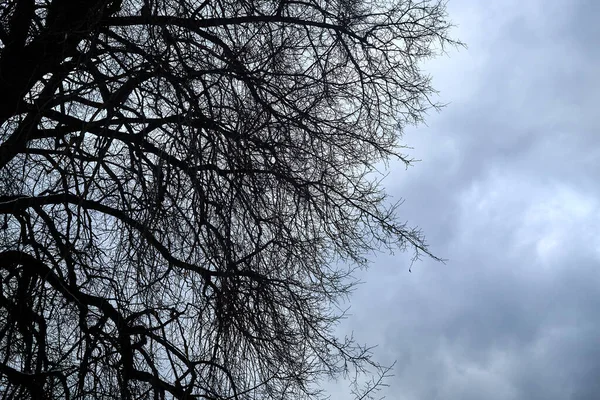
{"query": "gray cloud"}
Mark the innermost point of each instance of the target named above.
(507, 191)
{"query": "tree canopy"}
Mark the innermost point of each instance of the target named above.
(186, 187)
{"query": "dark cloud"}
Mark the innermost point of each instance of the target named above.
(507, 191)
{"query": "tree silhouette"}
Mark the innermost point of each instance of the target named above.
(187, 186)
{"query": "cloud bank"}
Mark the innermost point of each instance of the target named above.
(507, 191)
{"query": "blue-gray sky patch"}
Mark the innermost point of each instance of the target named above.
(507, 190)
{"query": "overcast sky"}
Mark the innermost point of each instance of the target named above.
(508, 191)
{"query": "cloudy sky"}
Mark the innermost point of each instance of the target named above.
(507, 191)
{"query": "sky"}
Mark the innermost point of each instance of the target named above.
(507, 191)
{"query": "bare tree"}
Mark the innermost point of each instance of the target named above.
(187, 186)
